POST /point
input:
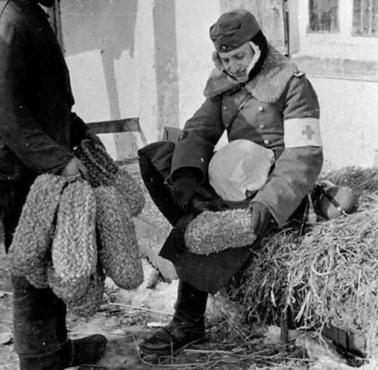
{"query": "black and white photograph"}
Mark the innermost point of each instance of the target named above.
(188, 184)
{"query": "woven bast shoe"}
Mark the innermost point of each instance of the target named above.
(212, 232)
(173, 337)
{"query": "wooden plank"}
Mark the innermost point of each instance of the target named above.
(171, 133)
(115, 126)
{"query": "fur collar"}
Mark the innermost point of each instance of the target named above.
(267, 86)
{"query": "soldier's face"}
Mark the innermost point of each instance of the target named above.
(237, 61)
(48, 3)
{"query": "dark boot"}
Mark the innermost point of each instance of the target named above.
(83, 351)
(187, 325)
(50, 362)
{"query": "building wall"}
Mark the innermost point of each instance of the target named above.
(137, 58)
(151, 59)
(344, 71)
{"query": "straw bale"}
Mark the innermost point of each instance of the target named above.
(118, 247)
(338, 263)
(213, 232)
(29, 251)
(103, 171)
(74, 250)
(357, 178)
(327, 277)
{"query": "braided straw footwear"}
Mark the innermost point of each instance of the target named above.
(103, 171)
(28, 253)
(118, 248)
(74, 250)
(213, 232)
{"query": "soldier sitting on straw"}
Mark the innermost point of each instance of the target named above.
(258, 96)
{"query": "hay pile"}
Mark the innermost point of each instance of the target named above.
(328, 277)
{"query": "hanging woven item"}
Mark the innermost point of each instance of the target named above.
(29, 251)
(213, 232)
(118, 247)
(74, 250)
(103, 171)
(91, 301)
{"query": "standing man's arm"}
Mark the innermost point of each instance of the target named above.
(19, 129)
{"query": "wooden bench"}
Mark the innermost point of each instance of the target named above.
(118, 126)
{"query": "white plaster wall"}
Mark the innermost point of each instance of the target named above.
(349, 108)
(349, 122)
(109, 83)
(193, 20)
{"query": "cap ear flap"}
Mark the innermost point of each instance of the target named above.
(217, 60)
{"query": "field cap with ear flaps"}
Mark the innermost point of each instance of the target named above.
(233, 29)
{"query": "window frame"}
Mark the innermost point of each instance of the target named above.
(354, 34)
(337, 30)
(342, 44)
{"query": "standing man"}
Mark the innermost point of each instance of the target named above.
(37, 134)
(255, 94)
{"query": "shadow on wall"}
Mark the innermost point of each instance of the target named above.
(104, 25)
(107, 25)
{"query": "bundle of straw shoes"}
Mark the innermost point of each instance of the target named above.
(72, 234)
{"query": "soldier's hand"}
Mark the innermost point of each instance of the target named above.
(260, 217)
(185, 186)
(75, 168)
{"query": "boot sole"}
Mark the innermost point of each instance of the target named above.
(162, 353)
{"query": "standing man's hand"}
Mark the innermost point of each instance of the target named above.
(75, 168)
(93, 137)
(260, 217)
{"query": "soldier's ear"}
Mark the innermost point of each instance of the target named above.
(217, 60)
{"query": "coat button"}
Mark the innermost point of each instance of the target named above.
(261, 126)
(261, 108)
(224, 107)
(266, 142)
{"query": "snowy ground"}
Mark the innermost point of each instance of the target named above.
(126, 317)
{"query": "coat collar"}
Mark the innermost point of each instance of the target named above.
(31, 6)
(267, 86)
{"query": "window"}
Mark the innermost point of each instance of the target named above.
(323, 16)
(365, 17)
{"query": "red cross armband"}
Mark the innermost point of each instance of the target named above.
(299, 132)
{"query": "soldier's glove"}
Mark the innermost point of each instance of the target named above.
(186, 184)
(260, 218)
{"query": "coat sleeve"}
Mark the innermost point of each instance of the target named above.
(201, 133)
(19, 130)
(299, 165)
(78, 129)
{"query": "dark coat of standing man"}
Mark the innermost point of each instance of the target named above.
(254, 94)
(37, 134)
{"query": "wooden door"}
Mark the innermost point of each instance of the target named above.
(271, 16)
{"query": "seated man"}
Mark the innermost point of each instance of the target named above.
(255, 94)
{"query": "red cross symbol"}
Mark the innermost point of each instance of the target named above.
(308, 131)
